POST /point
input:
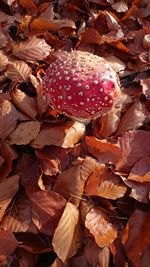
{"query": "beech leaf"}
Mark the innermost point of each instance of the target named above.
(18, 71)
(8, 243)
(141, 171)
(66, 240)
(25, 133)
(65, 135)
(32, 49)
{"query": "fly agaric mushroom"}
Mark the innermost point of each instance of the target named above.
(81, 85)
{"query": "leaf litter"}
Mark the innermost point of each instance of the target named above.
(73, 194)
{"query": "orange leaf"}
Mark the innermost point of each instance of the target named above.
(40, 25)
(27, 4)
(105, 152)
(100, 227)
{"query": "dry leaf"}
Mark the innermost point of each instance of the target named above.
(141, 171)
(100, 227)
(58, 263)
(145, 83)
(25, 133)
(40, 25)
(3, 39)
(19, 217)
(25, 258)
(145, 257)
(105, 152)
(47, 208)
(7, 155)
(136, 235)
(116, 63)
(66, 237)
(65, 135)
(32, 49)
(25, 103)
(8, 243)
(8, 118)
(105, 184)
(134, 118)
(3, 61)
(138, 191)
(112, 22)
(134, 145)
(27, 4)
(9, 187)
(120, 6)
(18, 71)
(41, 104)
(146, 41)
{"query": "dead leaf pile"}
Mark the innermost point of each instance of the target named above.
(71, 194)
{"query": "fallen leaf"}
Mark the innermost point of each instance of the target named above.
(8, 243)
(120, 6)
(131, 148)
(90, 36)
(134, 118)
(116, 63)
(25, 133)
(105, 184)
(25, 258)
(8, 118)
(32, 49)
(105, 152)
(18, 219)
(41, 104)
(66, 239)
(145, 257)
(27, 4)
(40, 25)
(25, 103)
(47, 208)
(7, 155)
(3, 60)
(18, 71)
(146, 42)
(100, 227)
(141, 171)
(65, 135)
(96, 255)
(138, 191)
(58, 263)
(3, 39)
(145, 83)
(112, 23)
(9, 187)
(136, 235)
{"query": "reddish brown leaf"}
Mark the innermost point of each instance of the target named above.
(141, 171)
(40, 25)
(47, 208)
(8, 243)
(131, 148)
(18, 219)
(145, 83)
(136, 235)
(139, 191)
(18, 71)
(27, 4)
(145, 257)
(8, 188)
(105, 152)
(90, 36)
(7, 155)
(24, 258)
(64, 135)
(3, 61)
(32, 49)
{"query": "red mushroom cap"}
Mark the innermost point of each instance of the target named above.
(81, 85)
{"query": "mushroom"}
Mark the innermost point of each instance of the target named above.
(81, 85)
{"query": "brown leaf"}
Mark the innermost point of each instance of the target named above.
(136, 235)
(65, 135)
(18, 218)
(25, 258)
(116, 63)
(131, 148)
(54, 159)
(25, 103)
(18, 71)
(105, 152)
(3, 61)
(112, 23)
(66, 237)
(34, 243)
(96, 255)
(141, 171)
(145, 257)
(8, 243)
(3, 39)
(8, 118)
(7, 155)
(25, 133)
(47, 208)
(58, 263)
(27, 4)
(134, 118)
(139, 191)
(9, 187)
(40, 25)
(32, 49)
(100, 227)
(120, 6)
(90, 36)
(41, 104)
(145, 83)
(105, 184)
